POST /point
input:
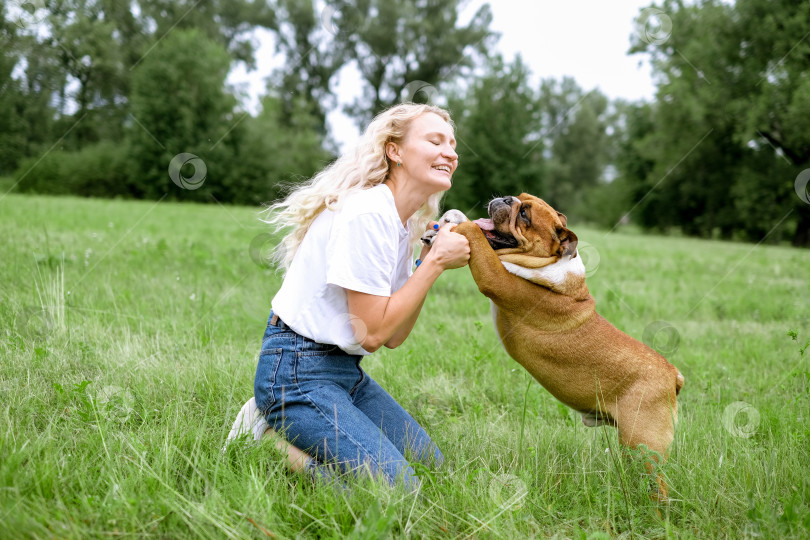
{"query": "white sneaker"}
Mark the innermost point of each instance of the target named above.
(249, 420)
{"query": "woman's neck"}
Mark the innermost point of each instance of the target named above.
(407, 201)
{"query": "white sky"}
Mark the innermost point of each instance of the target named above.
(585, 39)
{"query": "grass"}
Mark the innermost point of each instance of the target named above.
(129, 333)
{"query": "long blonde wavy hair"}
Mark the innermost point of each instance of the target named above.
(364, 167)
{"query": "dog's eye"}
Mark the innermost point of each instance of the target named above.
(523, 213)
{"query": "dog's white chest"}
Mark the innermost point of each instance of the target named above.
(554, 273)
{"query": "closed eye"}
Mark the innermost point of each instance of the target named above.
(439, 138)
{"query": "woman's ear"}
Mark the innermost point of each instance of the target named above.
(392, 151)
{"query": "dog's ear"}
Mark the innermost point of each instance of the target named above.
(563, 219)
(568, 243)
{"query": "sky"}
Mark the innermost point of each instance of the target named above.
(585, 39)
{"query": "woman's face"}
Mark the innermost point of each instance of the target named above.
(428, 152)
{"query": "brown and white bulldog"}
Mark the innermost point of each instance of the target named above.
(524, 259)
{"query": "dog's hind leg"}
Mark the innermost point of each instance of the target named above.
(649, 422)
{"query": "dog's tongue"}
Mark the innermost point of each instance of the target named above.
(485, 224)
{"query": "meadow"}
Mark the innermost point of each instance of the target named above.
(129, 334)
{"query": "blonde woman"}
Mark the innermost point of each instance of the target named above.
(349, 289)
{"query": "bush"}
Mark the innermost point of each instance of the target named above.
(100, 170)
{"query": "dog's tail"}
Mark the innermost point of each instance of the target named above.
(679, 380)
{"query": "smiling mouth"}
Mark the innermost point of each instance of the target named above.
(443, 168)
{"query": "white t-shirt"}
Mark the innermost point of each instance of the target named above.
(363, 247)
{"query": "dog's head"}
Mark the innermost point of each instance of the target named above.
(528, 230)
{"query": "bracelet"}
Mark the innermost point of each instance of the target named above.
(418, 262)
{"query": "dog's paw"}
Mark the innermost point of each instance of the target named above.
(451, 216)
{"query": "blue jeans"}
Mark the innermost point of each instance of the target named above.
(319, 398)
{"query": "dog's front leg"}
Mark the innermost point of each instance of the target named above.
(493, 280)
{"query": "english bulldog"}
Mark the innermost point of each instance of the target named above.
(524, 259)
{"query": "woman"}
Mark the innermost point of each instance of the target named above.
(349, 289)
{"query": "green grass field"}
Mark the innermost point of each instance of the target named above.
(130, 334)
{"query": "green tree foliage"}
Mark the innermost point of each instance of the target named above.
(123, 95)
(12, 100)
(511, 139)
(307, 39)
(84, 43)
(776, 48)
(574, 130)
(179, 106)
(29, 76)
(727, 140)
(631, 125)
(775, 52)
(102, 169)
(226, 22)
(269, 154)
(497, 142)
(395, 44)
(79, 55)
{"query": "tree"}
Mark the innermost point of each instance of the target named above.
(497, 141)
(95, 46)
(225, 22)
(268, 154)
(575, 135)
(12, 127)
(731, 113)
(307, 38)
(29, 77)
(776, 49)
(409, 42)
(89, 54)
(179, 105)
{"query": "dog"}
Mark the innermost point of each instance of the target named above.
(525, 260)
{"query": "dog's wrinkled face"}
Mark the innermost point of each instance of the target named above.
(527, 225)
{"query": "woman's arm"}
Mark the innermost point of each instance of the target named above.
(389, 319)
(404, 331)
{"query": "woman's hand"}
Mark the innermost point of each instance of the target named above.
(388, 320)
(450, 250)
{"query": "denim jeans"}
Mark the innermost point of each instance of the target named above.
(320, 399)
